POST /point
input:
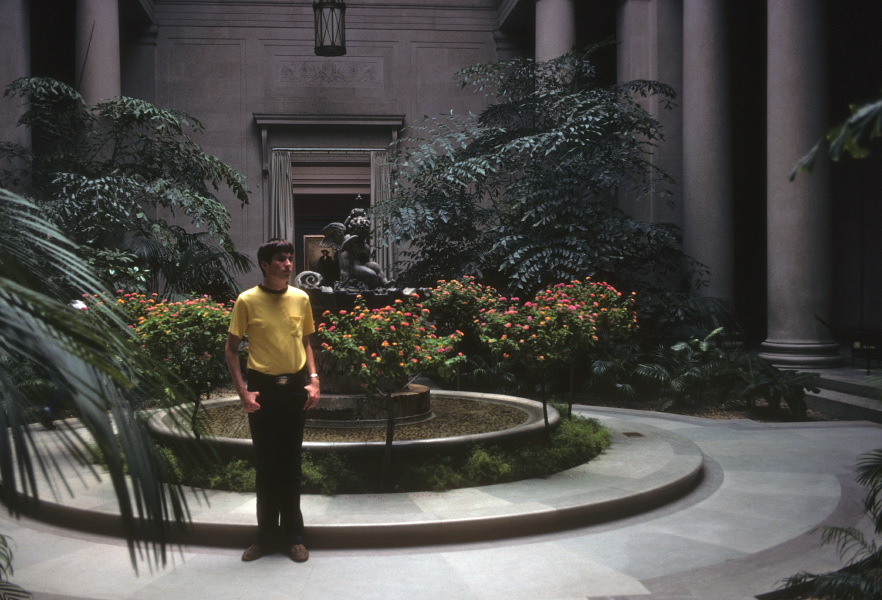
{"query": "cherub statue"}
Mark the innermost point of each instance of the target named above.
(347, 244)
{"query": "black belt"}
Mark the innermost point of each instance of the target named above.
(258, 378)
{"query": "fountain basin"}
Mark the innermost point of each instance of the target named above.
(412, 405)
(167, 425)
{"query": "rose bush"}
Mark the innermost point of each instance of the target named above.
(383, 348)
(542, 341)
(512, 342)
(560, 326)
(189, 336)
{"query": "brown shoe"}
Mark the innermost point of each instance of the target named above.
(254, 552)
(299, 553)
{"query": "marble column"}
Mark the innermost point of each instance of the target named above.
(707, 140)
(799, 211)
(650, 34)
(15, 62)
(97, 50)
(555, 28)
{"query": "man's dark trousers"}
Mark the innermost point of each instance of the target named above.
(277, 435)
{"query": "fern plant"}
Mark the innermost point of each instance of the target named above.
(686, 370)
(761, 379)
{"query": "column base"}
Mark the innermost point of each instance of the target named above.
(818, 355)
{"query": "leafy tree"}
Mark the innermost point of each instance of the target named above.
(384, 349)
(97, 369)
(111, 174)
(522, 195)
(852, 137)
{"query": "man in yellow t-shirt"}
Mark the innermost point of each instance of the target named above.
(282, 384)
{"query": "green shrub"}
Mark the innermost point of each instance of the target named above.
(687, 370)
(383, 348)
(487, 464)
(328, 473)
(236, 476)
(189, 337)
(758, 378)
(175, 467)
(574, 442)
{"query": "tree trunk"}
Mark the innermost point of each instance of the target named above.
(572, 386)
(193, 426)
(390, 434)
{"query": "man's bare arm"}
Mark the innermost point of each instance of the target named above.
(231, 354)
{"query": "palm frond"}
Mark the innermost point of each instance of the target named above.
(870, 474)
(851, 544)
(98, 369)
(839, 585)
(10, 591)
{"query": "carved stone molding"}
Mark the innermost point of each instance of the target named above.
(331, 73)
(390, 123)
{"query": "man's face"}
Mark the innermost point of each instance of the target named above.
(280, 267)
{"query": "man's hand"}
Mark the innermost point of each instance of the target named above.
(312, 388)
(249, 401)
(312, 393)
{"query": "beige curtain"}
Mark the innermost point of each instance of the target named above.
(380, 192)
(281, 207)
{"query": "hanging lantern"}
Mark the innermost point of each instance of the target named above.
(330, 27)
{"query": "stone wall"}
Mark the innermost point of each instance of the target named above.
(225, 62)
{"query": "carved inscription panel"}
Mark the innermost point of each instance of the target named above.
(324, 73)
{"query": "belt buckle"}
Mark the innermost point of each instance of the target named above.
(282, 380)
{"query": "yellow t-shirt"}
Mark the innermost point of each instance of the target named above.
(275, 324)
